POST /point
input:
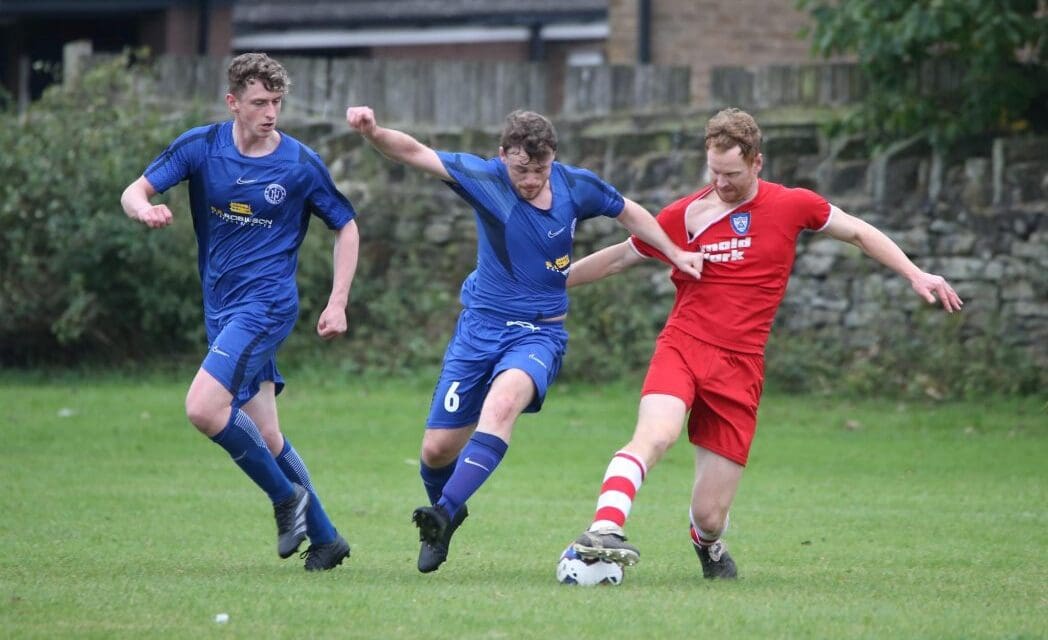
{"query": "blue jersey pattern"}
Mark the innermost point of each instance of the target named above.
(523, 252)
(250, 214)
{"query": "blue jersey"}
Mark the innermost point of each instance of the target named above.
(523, 252)
(250, 214)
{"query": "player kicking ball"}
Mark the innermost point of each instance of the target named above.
(510, 337)
(707, 370)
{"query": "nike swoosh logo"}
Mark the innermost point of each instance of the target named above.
(242, 181)
(240, 457)
(554, 234)
(476, 464)
(532, 356)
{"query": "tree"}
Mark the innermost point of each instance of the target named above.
(943, 68)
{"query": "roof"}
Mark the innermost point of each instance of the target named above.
(45, 7)
(253, 15)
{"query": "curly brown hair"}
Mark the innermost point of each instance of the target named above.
(259, 67)
(732, 128)
(531, 132)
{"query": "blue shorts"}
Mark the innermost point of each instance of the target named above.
(242, 349)
(484, 346)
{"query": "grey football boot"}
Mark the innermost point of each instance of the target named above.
(607, 544)
(291, 521)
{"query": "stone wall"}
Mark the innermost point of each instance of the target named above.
(977, 217)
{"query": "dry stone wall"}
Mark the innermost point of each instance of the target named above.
(978, 216)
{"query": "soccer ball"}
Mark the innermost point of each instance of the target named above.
(586, 572)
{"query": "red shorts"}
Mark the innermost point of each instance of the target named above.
(722, 389)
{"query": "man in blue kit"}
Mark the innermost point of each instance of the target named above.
(252, 189)
(510, 338)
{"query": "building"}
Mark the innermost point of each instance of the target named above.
(700, 34)
(33, 33)
(703, 34)
(498, 30)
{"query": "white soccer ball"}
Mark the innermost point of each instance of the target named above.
(586, 572)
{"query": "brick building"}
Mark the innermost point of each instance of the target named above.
(704, 34)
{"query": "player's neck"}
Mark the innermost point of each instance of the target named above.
(750, 194)
(254, 146)
(544, 200)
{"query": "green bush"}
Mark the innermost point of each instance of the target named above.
(79, 279)
(614, 323)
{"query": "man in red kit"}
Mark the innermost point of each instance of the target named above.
(709, 358)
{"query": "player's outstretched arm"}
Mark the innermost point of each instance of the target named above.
(396, 145)
(880, 247)
(643, 225)
(333, 321)
(601, 264)
(136, 204)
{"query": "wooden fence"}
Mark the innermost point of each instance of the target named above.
(787, 85)
(443, 93)
(470, 93)
(821, 85)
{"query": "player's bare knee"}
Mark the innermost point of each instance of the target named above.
(650, 446)
(204, 418)
(205, 423)
(437, 453)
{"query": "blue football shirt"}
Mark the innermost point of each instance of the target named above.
(250, 214)
(523, 252)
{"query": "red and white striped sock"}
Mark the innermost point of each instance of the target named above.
(622, 480)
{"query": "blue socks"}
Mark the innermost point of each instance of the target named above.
(435, 479)
(476, 463)
(241, 439)
(318, 526)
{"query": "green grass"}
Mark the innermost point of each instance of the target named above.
(855, 519)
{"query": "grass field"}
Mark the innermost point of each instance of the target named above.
(856, 519)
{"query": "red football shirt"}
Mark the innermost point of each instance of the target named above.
(751, 252)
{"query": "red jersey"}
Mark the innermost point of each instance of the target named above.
(751, 251)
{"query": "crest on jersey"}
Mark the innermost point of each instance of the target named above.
(275, 193)
(740, 222)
